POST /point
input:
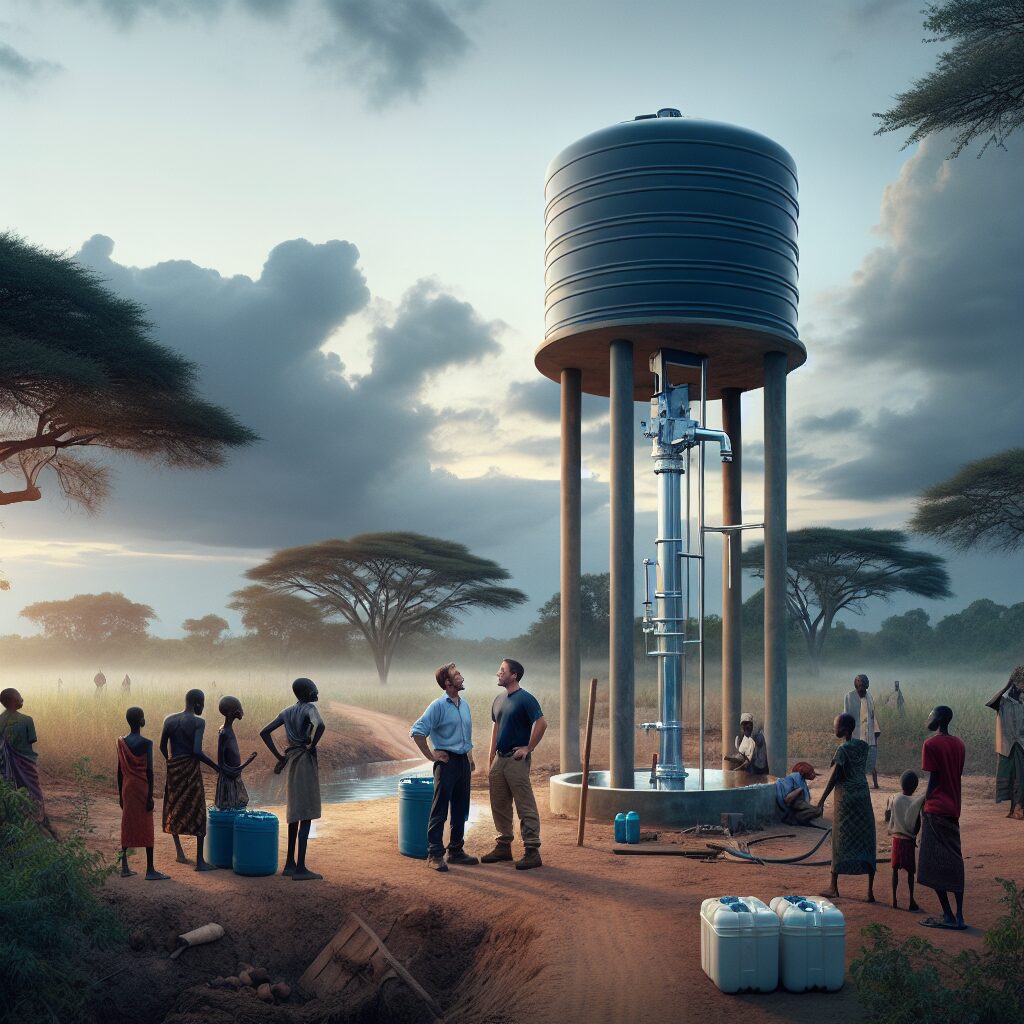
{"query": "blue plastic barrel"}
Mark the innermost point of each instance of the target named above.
(632, 827)
(620, 827)
(255, 843)
(415, 796)
(220, 837)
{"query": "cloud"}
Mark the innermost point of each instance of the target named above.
(542, 398)
(935, 314)
(393, 47)
(15, 66)
(832, 423)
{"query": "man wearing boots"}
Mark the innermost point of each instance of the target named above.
(519, 725)
(448, 723)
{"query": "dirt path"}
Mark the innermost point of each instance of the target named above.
(383, 730)
(590, 937)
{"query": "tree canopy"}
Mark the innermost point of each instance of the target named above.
(91, 618)
(982, 505)
(829, 571)
(206, 630)
(285, 623)
(389, 586)
(977, 87)
(543, 634)
(79, 368)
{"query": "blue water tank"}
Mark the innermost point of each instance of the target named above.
(256, 837)
(415, 796)
(620, 828)
(632, 827)
(675, 232)
(220, 837)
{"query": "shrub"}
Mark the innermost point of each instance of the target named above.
(905, 982)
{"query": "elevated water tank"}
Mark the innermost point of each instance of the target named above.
(671, 232)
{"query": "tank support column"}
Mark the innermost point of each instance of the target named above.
(732, 575)
(620, 639)
(775, 678)
(569, 628)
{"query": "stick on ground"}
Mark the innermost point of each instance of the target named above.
(586, 762)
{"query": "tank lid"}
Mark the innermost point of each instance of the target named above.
(663, 112)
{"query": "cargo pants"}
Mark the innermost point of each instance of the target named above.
(509, 782)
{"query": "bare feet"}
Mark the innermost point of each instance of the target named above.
(128, 873)
(913, 908)
(205, 865)
(870, 899)
(895, 905)
(182, 859)
(155, 876)
(289, 870)
(305, 875)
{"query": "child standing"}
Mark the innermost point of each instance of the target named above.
(231, 792)
(135, 794)
(904, 818)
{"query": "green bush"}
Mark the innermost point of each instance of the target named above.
(905, 982)
(51, 916)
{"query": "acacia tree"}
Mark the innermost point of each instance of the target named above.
(206, 631)
(829, 571)
(91, 618)
(389, 586)
(286, 623)
(79, 368)
(594, 617)
(977, 87)
(980, 506)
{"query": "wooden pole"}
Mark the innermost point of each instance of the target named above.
(586, 762)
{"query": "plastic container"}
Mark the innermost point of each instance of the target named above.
(620, 828)
(415, 796)
(812, 944)
(632, 827)
(256, 834)
(220, 837)
(739, 944)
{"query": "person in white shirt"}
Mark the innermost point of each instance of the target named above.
(860, 706)
(1008, 704)
(751, 751)
(904, 817)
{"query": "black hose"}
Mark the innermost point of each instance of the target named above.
(742, 855)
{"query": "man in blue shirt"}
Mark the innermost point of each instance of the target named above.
(519, 725)
(447, 722)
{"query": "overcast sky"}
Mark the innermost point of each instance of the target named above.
(335, 207)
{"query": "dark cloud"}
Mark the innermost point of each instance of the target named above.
(542, 398)
(15, 66)
(393, 47)
(832, 423)
(936, 314)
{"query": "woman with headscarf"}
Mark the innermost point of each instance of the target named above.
(853, 818)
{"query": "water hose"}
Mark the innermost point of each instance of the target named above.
(751, 859)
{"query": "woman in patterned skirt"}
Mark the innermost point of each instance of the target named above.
(853, 818)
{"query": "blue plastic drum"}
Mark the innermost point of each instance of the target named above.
(255, 843)
(415, 796)
(220, 837)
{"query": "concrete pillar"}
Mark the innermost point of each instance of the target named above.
(569, 635)
(732, 577)
(620, 639)
(775, 677)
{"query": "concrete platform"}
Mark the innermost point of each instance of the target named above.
(667, 808)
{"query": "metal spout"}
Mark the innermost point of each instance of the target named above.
(720, 436)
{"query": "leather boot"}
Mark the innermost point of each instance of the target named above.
(531, 859)
(501, 851)
(436, 862)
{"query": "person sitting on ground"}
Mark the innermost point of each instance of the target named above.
(181, 744)
(17, 758)
(303, 728)
(904, 817)
(751, 751)
(860, 706)
(231, 793)
(853, 819)
(135, 794)
(1008, 704)
(793, 796)
(941, 862)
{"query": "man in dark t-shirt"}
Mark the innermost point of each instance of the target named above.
(518, 726)
(941, 862)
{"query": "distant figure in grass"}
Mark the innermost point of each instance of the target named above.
(941, 862)
(126, 684)
(449, 724)
(135, 794)
(853, 819)
(860, 706)
(303, 728)
(794, 798)
(896, 699)
(1008, 704)
(99, 681)
(519, 725)
(231, 792)
(904, 818)
(751, 751)
(17, 758)
(184, 792)
(60, 684)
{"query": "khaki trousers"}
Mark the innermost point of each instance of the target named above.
(509, 782)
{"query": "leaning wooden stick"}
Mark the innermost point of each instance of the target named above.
(586, 763)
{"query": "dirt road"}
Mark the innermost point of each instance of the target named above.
(385, 731)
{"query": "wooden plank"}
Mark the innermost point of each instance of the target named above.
(585, 784)
(663, 850)
(324, 974)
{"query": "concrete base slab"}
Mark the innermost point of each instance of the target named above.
(724, 792)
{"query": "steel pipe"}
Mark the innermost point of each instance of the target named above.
(569, 574)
